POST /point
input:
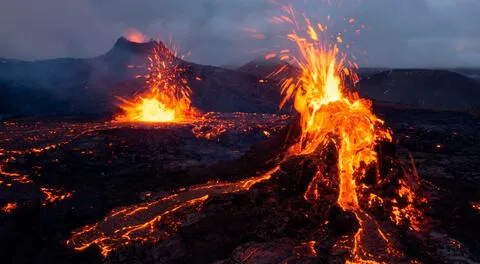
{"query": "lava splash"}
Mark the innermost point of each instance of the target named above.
(332, 115)
(329, 113)
(167, 98)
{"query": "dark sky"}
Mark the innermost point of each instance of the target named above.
(401, 33)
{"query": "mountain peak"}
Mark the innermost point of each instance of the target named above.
(123, 44)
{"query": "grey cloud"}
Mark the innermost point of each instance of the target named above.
(404, 33)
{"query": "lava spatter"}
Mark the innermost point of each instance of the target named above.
(167, 98)
(329, 113)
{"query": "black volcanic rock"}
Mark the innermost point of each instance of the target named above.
(88, 86)
(262, 67)
(123, 44)
(431, 88)
(32, 103)
(231, 91)
(265, 68)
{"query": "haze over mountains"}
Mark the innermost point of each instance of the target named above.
(86, 87)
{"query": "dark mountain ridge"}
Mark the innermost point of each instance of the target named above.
(431, 88)
(88, 86)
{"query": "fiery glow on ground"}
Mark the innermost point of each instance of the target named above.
(42, 138)
(476, 206)
(330, 113)
(53, 195)
(141, 222)
(9, 207)
(167, 98)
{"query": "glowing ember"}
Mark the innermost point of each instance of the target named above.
(53, 195)
(168, 95)
(476, 206)
(9, 207)
(134, 35)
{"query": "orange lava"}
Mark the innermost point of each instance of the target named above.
(167, 98)
(329, 113)
(135, 35)
(149, 222)
(409, 212)
(9, 207)
(476, 206)
(53, 195)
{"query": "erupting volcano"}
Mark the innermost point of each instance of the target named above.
(296, 156)
(167, 98)
(373, 191)
(330, 114)
(134, 35)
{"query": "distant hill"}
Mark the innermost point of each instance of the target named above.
(437, 88)
(264, 69)
(88, 86)
(433, 88)
(473, 73)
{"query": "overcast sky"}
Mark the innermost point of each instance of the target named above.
(401, 33)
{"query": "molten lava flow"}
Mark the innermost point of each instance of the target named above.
(168, 95)
(134, 35)
(53, 195)
(330, 113)
(150, 222)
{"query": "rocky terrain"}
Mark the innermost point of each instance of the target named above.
(97, 167)
(78, 188)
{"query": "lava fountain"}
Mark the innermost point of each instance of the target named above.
(328, 111)
(167, 98)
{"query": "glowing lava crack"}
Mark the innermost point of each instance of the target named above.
(145, 220)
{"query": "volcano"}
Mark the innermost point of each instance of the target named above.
(341, 179)
(87, 87)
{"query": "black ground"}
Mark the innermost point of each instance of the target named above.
(111, 167)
